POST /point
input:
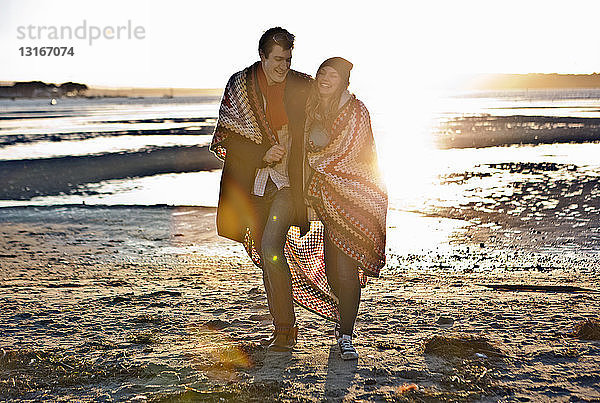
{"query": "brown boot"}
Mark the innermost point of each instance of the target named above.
(285, 339)
(266, 341)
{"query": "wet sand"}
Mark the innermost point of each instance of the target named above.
(488, 131)
(539, 206)
(24, 179)
(149, 304)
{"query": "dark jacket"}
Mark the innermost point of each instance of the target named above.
(236, 210)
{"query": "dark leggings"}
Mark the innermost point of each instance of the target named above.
(342, 276)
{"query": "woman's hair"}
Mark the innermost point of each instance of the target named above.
(315, 110)
(327, 113)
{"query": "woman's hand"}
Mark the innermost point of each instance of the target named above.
(274, 154)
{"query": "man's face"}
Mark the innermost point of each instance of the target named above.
(277, 65)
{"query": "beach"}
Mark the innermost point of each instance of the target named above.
(149, 304)
(114, 286)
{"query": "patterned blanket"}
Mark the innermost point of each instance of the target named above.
(241, 112)
(345, 189)
(347, 192)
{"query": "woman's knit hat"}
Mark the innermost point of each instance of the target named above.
(341, 65)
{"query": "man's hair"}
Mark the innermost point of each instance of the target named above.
(275, 36)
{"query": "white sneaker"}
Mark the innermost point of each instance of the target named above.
(337, 333)
(347, 350)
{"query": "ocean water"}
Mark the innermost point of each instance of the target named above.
(414, 167)
(33, 128)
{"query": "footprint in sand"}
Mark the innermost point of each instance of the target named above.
(260, 317)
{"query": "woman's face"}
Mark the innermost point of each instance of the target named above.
(328, 81)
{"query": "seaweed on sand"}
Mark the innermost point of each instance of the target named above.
(433, 395)
(144, 337)
(29, 371)
(587, 330)
(266, 391)
(472, 372)
(461, 347)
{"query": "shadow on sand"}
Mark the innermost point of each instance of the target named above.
(340, 375)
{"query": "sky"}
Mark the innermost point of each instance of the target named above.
(405, 53)
(199, 44)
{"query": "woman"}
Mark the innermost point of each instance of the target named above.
(345, 190)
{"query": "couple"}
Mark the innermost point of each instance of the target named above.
(300, 187)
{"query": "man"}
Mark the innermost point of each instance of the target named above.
(260, 137)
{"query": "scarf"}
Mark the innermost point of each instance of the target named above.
(275, 109)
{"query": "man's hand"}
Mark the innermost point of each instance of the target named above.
(274, 154)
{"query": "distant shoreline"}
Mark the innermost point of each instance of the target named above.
(472, 82)
(152, 92)
(537, 81)
(42, 90)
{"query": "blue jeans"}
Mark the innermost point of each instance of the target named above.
(276, 272)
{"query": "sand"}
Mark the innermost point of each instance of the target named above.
(149, 304)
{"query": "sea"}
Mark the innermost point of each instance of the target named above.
(420, 140)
